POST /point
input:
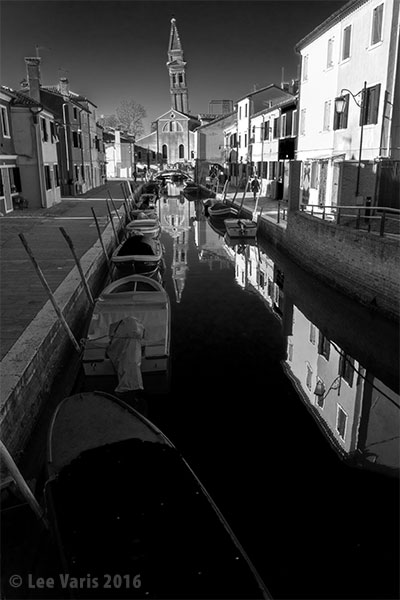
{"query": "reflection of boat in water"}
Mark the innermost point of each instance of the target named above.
(241, 228)
(124, 502)
(142, 299)
(137, 254)
(172, 176)
(222, 211)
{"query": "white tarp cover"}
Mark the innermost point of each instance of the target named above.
(125, 352)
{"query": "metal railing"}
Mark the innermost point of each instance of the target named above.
(378, 220)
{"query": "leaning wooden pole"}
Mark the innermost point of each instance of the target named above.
(116, 210)
(50, 293)
(78, 264)
(23, 487)
(101, 241)
(112, 222)
(236, 191)
(243, 197)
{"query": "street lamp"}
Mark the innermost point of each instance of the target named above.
(320, 387)
(340, 106)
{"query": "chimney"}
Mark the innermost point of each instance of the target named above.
(63, 86)
(33, 76)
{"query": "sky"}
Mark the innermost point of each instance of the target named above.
(112, 50)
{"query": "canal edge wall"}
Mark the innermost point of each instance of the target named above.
(361, 265)
(29, 369)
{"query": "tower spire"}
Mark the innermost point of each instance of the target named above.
(177, 71)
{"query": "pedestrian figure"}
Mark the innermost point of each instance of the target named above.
(255, 187)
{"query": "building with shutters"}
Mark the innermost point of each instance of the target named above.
(351, 157)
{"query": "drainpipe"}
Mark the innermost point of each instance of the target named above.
(67, 152)
(42, 188)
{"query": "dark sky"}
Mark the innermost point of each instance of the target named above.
(111, 49)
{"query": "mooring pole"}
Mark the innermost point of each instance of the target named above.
(50, 293)
(112, 222)
(78, 264)
(115, 208)
(243, 197)
(21, 484)
(236, 191)
(101, 241)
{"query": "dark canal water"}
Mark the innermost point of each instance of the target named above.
(241, 412)
(308, 483)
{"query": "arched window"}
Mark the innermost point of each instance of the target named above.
(172, 126)
(165, 151)
(181, 151)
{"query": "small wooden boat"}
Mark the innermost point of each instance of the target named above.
(173, 176)
(241, 228)
(143, 224)
(137, 254)
(221, 210)
(135, 296)
(128, 511)
(194, 190)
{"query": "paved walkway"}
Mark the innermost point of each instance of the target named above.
(22, 294)
(273, 210)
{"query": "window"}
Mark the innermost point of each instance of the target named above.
(341, 421)
(266, 130)
(47, 177)
(324, 346)
(165, 151)
(56, 176)
(369, 110)
(43, 125)
(75, 139)
(83, 173)
(245, 140)
(329, 54)
(303, 121)
(260, 279)
(289, 119)
(305, 67)
(53, 135)
(290, 351)
(276, 128)
(245, 110)
(5, 128)
(313, 331)
(327, 115)
(75, 112)
(309, 376)
(181, 151)
(76, 169)
(272, 169)
(283, 125)
(180, 78)
(294, 123)
(240, 112)
(15, 180)
(240, 141)
(346, 368)
(340, 119)
(377, 14)
(346, 42)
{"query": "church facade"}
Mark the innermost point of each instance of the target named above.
(172, 140)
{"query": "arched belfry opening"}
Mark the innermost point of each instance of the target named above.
(177, 71)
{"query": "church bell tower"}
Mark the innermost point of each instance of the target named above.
(177, 72)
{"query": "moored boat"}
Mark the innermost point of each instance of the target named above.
(127, 510)
(143, 224)
(241, 228)
(194, 190)
(221, 210)
(131, 300)
(137, 254)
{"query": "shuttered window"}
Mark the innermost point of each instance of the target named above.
(377, 19)
(266, 130)
(276, 128)
(370, 107)
(341, 421)
(346, 42)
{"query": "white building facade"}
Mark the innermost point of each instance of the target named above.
(353, 54)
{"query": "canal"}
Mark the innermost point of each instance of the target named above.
(308, 482)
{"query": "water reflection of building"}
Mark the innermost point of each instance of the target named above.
(175, 216)
(356, 411)
(210, 246)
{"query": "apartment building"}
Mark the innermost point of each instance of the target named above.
(349, 107)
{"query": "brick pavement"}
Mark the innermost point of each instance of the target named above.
(21, 292)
